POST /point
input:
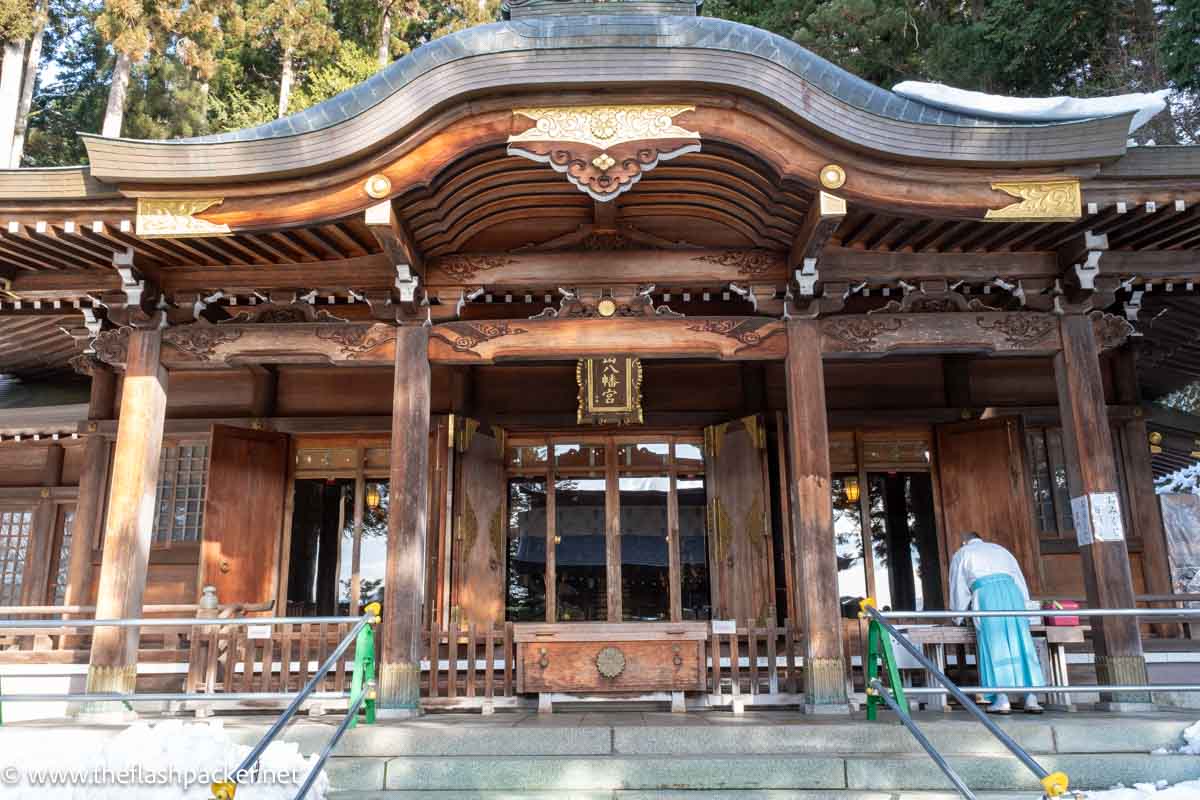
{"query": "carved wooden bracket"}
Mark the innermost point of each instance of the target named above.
(205, 346)
(1027, 333)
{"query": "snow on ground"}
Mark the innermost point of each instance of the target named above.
(1036, 109)
(1188, 790)
(172, 759)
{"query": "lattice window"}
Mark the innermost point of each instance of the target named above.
(15, 531)
(182, 479)
(64, 558)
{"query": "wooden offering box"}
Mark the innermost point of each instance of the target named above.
(617, 657)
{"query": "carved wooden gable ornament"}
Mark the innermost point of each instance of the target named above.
(603, 150)
(610, 390)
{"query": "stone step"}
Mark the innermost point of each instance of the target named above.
(729, 735)
(686, 794)
(562, 775)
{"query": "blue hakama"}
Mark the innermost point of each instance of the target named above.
(1006, 653)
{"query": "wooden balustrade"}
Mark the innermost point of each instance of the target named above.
(471, 667)
(762, 662)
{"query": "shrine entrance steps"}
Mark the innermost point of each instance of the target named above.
(762, 754)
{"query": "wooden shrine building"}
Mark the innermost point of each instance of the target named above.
(620, 324)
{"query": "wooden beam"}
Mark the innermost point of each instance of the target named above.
(824, 215)
(113, 665)
(812, 521)
(1000, 333)
(1099, 524)
(392, 236)
(404, 584)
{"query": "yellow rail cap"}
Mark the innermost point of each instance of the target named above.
(224, 790)
(1055, 784)
(374, 609)
(864, 604)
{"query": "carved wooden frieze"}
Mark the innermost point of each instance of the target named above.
(199, 341)
(1023, 332)
(1110, 330)
(159, 217)
(602, 149)
(281, 314)
(112, 346)
(205, 346)
(465, 266)
(465, 337)
(658, 336)
(1039, 201)
(748, 332)
(751, 263)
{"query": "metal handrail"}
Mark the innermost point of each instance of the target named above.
(923, 740)
(164, 622)
(1074, 612)
(225, 790)
(311, 778)
(1054, 784)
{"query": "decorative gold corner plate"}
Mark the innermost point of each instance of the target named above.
(602, 149)
(1039, 201)
(176, 218)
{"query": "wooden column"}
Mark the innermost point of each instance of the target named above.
(400, 668)
(130, 519)
(812, 521)
(1096, 510)
(93, 479)
(1145, 514)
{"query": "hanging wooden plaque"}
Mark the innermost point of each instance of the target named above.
(610, 390)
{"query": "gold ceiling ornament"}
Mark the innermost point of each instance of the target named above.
(610, 390)
(833, 176)
(378, 186)
(602, 149)
(159, 217)
(606, 307)
(1057, 200)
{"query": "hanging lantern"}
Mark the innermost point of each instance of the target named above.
(852, 490)
(373, 498)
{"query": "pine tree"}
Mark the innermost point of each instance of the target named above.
(297, 28)
(133, 28)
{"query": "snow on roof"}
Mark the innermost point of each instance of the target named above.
(1144, 106)
(1184, 481)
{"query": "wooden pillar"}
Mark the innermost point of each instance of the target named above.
(1096, 510)
(130, 519)
(93, 479)
(812, 521)
(400, 669)
(1145, 514)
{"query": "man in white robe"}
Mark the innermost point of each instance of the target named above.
(986, 577)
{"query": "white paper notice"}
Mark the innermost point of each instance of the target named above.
(724, 626)
(1107, 524)
(258, 631)
(1083, 520)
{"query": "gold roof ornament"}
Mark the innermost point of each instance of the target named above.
(602, 149)
(833, 176)
(159, 217)
(1039, 201)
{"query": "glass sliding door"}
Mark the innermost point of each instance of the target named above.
(580, 550)
(621, 535)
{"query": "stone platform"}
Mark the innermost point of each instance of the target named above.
(762, 755)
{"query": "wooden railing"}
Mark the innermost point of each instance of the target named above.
(757, 665)
(469, 667)
(236, 658)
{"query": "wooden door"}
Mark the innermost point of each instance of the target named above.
(740, 521)
(243, 513)
(480, 532)
(985, 487)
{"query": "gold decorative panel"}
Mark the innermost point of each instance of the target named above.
(610, 390)
(602, 149)
(1039, 201)
(176, 218)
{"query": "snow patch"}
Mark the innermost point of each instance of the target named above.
(166, 751)
(1188, 790)
(1144, 106)
(1190, 746)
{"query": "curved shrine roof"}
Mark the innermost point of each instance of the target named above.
(540, 51)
